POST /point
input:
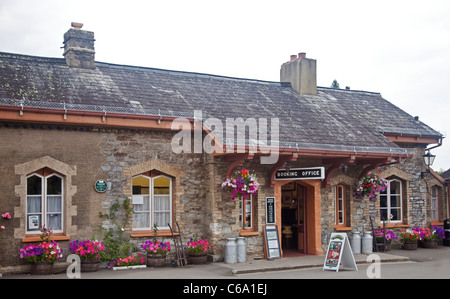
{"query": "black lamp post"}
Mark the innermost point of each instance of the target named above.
(428, 159)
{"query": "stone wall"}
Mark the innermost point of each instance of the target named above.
(86, 154)
(112, 155)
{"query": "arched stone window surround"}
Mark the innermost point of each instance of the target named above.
(23, 171)
(165, 169)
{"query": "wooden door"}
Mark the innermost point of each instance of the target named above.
(301, 218)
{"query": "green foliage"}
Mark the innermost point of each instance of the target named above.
(117, 243)
(335, 84)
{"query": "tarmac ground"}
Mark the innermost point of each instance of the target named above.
(221, 270)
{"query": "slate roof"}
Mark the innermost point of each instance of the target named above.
(333, 119)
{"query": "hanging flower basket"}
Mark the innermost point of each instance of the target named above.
(370, 186)
(241, 185)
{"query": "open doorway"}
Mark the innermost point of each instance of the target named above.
(293, 219)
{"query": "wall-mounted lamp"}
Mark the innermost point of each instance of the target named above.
(288, 166)
(428, 158)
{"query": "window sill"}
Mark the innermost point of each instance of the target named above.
(247, 233)
(394, 225)
(342, 228)
(436, 222)
(36, 238)
(150, 233)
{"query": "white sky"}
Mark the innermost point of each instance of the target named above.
(398, 48)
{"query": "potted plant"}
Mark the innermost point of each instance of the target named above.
(409, 238)
(42, 255)
(429, 237)
(156, 252)
(136, 261)
(241, 185)
(370, 186)
(88, 251)
(384, 234)
(197, 250)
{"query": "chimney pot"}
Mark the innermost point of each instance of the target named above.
(293, 57)
(302, 55)
(76, 25)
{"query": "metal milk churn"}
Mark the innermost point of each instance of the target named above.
(356, 242)
(367, 243)
(230, 251)
(241, 250)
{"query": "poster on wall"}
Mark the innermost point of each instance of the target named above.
(339, 251)
(33, 222)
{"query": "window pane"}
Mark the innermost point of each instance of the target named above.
(141, 202)
(395, 187)
(34, 185)
(383, 201)
(141, 185)
(395, 201)
(34, 203)
(396, 214)
(54, 185)
(383, 214)
(54, 203)
(161, 185)
(141, 220)
(54, 221)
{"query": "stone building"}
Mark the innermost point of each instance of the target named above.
(160, 138)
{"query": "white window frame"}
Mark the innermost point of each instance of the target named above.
(434, 203)
(340, 199)
(151, 204)
(242, 208)
(388, 208)
(44, 214)
(153, 201)
(138, 198)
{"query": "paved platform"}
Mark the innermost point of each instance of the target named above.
(306, 261)
(221, 270)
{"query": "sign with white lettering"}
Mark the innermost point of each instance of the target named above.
(101, 186)
(270, 210)
(339, 250)
(301, 173)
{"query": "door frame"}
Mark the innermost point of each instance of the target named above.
(312, 202)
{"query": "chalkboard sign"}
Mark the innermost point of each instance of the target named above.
(272, 242)
(270, 210)
(339, 250)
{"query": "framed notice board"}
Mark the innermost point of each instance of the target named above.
(272, 241)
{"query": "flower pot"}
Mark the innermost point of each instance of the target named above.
(409, 245)
(41, 268)
(90, 265)
(380, 246)
(156, 260)
(430, 243)
(129, 267)
(197, 257)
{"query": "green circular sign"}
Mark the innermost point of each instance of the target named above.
(101, 186)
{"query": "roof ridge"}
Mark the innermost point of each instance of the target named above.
(349, 90)
(25, 56)
(187, 73)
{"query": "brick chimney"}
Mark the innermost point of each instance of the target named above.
(301, 73)
(79, 47)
